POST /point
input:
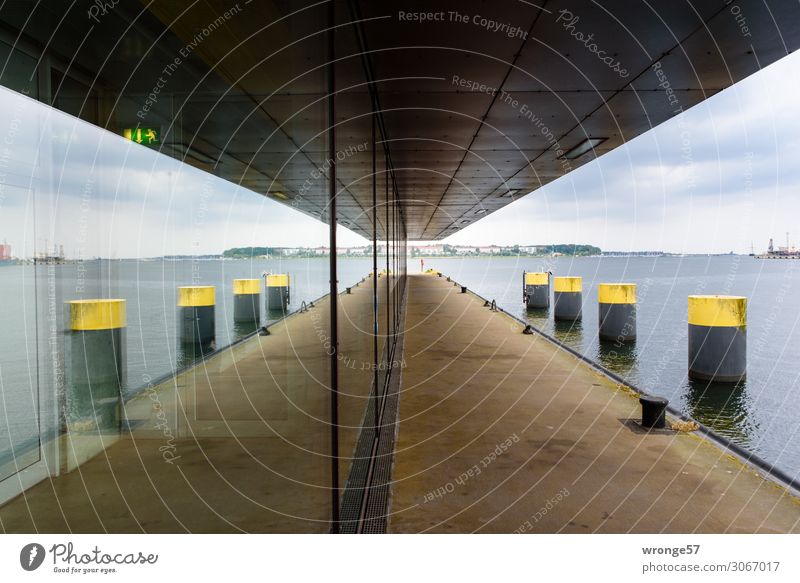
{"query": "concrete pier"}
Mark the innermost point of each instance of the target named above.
(503, 432)
(567, 298)
(97, 364)
(278, 292)
(536, 290)
(718, 338)
(247, 300)
(196, 306)
(616, 308)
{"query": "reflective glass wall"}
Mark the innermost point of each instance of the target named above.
(173, 359)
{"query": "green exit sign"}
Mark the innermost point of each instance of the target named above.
(140, 135)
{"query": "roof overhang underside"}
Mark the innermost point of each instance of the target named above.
(477, 102)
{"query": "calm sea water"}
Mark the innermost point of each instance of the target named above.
(758, 413)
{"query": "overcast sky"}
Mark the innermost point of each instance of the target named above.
(119, 199)
(743, 185)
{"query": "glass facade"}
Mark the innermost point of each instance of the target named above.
(184, 346)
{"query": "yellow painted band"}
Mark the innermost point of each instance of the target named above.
(196, 296)
(568, 284)
(718, 310)
(616, 293)
(537, 278)
(246, 286)
(278, 280)
(97, 314)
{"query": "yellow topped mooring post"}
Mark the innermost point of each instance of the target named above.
(617, 311)
(278, 291)
(718, 338)
(196, 315)
(247, 300)
(536, 289)
(96, 364)
(567, 298)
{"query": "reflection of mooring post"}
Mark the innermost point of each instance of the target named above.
(278, 285)
(567, 298)
(617, 311)
(97, 363)
(536, 286)
(247, 300)
(196, 314)
(718, 338)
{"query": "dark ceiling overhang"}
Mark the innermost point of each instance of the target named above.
(478, 104)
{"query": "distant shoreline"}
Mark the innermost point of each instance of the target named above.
(410, 259)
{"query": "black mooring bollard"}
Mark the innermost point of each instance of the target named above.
(653, 412)
(463, 289)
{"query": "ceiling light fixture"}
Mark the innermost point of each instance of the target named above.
(480, 211)
(585, 146)
(279, 195)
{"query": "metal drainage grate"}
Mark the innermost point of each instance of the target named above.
(371, 471)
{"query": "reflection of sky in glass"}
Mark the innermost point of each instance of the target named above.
(115, 198)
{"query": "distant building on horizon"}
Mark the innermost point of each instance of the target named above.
(632, 253)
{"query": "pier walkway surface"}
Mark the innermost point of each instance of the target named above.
(505, 432)
(498, 432)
